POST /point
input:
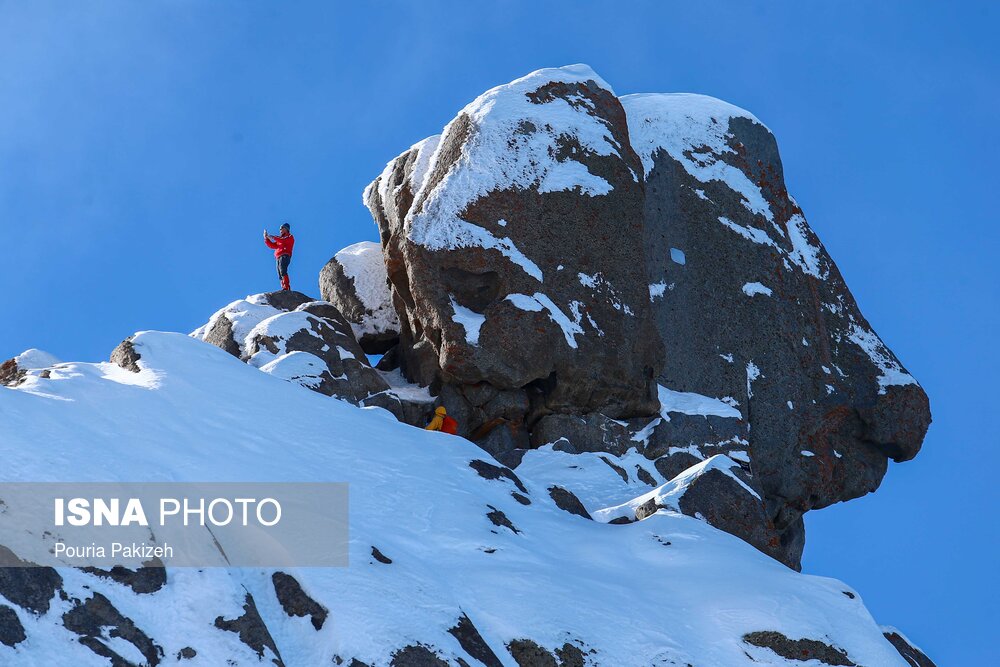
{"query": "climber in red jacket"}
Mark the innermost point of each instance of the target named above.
(282, 245)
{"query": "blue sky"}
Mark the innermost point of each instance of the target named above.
(143, 146)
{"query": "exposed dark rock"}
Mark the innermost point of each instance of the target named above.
(490, 471)
(644, 476)
(295, 601)
(750, 306)
(592, 432)
(473, 643)
(617, 468)
(567, 501)
(570, 656)
(799, 649)
(10, 374)
(125, 356)
(913, 655)
(186, 653)
(719, 498)
(527, 653)
(11, 630)
(148, 578)
(354, 280)
(319, 330)
(220, 334)
(287, 300)
(380, 557)
(27, 585)
(389, 360)
(524, 500)
(416, 655)
(513, 458)
(498, 518)
(251, 629)
(714, 434)
(501, 437)
(96, 618)
(672, 465)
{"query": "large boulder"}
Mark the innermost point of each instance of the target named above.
(751, 308)
(354, 280)
(513, 247)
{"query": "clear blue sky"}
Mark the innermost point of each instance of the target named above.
(143, 147)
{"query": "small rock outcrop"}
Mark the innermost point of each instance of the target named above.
(721, 493)
(355, 282)
(913, 655)
(289, 335)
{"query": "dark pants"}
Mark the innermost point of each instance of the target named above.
(282, 263)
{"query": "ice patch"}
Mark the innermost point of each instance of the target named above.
(538, 302)
(756, 288)
(677, 255)
(470, 320)
(690, 403)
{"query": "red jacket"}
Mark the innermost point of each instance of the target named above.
(282, 244)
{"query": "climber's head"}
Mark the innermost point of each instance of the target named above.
(285, 229)
(440, 411)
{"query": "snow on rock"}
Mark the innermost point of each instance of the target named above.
(690, 403)
(487, 231)
(716, 490)
(229, 327)
(444, 570)
(530, 250)
(715, 187)
(291, 336)
(751, 289)
(354, 280)
(35, 359)
(694, 130)
(892, 371)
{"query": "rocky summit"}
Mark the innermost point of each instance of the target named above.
(655, 367)
(558, 257)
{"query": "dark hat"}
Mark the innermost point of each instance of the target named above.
(285, 225)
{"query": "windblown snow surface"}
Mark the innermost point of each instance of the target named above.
(669, 590)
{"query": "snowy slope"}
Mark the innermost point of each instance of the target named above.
(670, 590)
